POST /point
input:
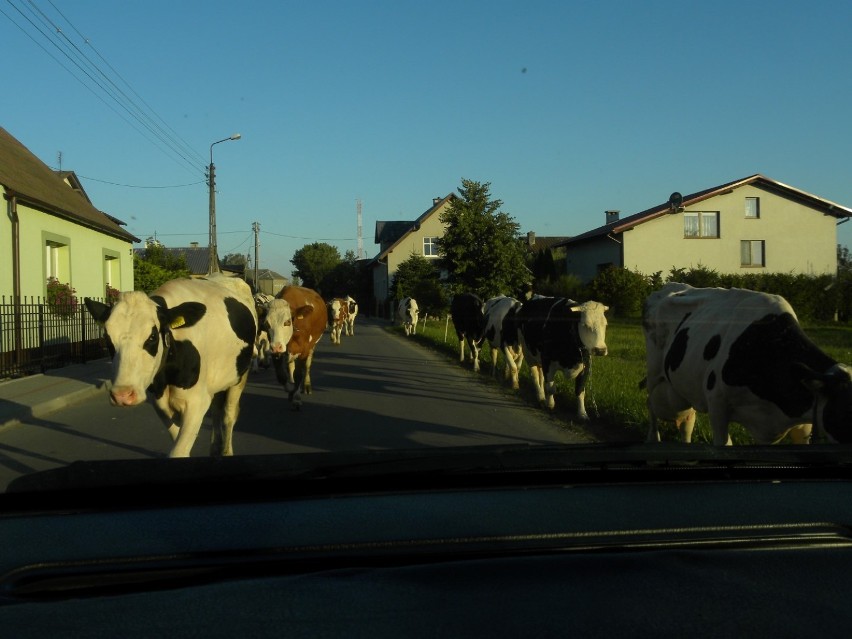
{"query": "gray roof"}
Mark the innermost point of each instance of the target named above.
(29, 179)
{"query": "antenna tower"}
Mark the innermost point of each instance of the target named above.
(360, 231)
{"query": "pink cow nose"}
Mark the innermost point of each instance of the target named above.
(123, 396)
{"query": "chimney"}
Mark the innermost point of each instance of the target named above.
(612, 216)
(435, 200)
(530, 238)
(193, 244)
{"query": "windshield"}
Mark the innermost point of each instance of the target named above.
(335, 228)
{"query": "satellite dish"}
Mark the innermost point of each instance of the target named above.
(675, 201)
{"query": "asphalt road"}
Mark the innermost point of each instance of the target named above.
(375, 391)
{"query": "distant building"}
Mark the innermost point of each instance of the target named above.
(755, 224)
(268, 281)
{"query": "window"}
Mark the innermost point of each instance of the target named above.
(701, 224)
(112, 270)
(752, 208)
(430, 246)
(752, 253)
(57, 259)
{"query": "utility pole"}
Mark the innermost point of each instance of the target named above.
(213, 258)
(256, 228)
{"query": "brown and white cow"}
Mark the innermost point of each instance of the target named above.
(740, 356)
(308, 321)
(560, 334)
(408, 314)
(190, 345)
(351, 314)
(501, 331)
(338, 314)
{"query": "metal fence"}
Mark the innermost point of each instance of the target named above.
(36, 336)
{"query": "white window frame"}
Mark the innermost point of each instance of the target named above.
(752, 253)
(430, 246)
(704, 223)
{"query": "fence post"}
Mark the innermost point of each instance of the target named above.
(83, 348)
(41, 348)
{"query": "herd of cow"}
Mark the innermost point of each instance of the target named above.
(738, 355)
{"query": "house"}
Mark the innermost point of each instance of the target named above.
(399, 240)
(268, 281)
(755, 224)
(51, 229)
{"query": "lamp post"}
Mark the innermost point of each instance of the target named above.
(213, 260)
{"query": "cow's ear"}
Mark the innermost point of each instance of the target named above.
(303, 311)
(185, 315)
(99, 310)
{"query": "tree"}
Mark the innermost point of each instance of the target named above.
(480, 249)
(234, 259)
(314, 262)
(148, 276)
(416, 277)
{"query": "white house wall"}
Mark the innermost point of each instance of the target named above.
(797, 239)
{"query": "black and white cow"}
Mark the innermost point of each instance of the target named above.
(352, 313)
(408, 313)
(740, 356)
(468, 313)
(560, 334)
(501, 331)
(190, 344)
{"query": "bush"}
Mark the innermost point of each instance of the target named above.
(623, 290)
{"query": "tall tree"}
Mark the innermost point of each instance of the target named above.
(480, 249)
(314, 262)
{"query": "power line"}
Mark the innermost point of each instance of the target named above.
(88, 74)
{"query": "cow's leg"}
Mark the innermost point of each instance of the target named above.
(307, 374)
(580, 392)
(474, 351)
(538, 379)
(513, 363)
(222, 445)
(191, 418)
(686, 423)
(719, 420)
(461, 348)
(494, 353)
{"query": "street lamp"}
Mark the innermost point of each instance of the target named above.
(213, 260)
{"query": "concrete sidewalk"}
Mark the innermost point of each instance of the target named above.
(38, 395)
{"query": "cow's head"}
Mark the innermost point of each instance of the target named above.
(833, 392)
(278, 324)
(139, 338)
(592, 326)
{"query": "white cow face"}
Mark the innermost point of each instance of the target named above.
(592, 326)
(334, 310)
(139, 335)
(278, 325)
(133, 330)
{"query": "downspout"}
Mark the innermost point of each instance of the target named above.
(12, 209)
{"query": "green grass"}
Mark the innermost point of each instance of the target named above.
(616, 405)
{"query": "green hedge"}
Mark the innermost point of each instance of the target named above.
(819, 298)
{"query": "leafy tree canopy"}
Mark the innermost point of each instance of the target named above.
(234, 259)
(149, 276)
(313, 263)
(480, 249)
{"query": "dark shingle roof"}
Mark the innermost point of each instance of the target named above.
(28, 178)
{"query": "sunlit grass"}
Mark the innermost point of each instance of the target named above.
(614, 401)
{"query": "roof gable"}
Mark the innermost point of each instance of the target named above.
(25, 176)
(408, 227)
(758, 180)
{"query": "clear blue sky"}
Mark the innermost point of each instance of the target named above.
(566, 108)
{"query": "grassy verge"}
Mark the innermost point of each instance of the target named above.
(614, 401)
